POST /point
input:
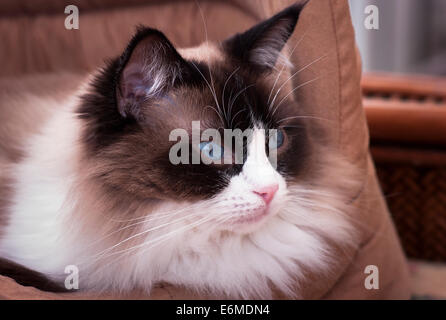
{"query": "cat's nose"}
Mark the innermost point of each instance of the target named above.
(267, 193)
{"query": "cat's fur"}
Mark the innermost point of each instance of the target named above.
(95, 187)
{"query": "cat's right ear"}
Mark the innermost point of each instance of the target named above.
(148, 68)
(260, 46)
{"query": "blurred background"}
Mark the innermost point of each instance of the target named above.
(404, 96)
(411, 36)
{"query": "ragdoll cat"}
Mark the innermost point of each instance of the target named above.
(97, 189)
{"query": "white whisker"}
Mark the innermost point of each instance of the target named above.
(224, 88)
(292, 91)
(283, 66)
(147, 231)
(148, 219)
(235, 116)
(212, 87)
(293, 75)
(171, 233)
(303, 117)
(238, 94)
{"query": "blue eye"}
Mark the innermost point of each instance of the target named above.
(212, 150)
(276, 139)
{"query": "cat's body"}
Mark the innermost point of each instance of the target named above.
(94, 187)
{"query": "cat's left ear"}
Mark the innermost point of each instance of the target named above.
(147, 69)
(260, 46)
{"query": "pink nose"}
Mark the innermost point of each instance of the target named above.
(267, 193)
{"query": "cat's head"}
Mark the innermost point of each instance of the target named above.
(138, 104)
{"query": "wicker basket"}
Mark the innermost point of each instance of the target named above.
(407, 121)
(416, 197)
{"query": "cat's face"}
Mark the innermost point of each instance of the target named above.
(154, 90)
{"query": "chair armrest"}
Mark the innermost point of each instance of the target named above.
(405, 109)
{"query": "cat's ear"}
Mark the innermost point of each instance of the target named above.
(261, 45)
(148, 68)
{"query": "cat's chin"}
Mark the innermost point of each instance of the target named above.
(253, 221)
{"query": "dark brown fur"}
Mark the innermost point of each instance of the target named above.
(27, 277)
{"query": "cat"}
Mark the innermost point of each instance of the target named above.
(96, 188)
